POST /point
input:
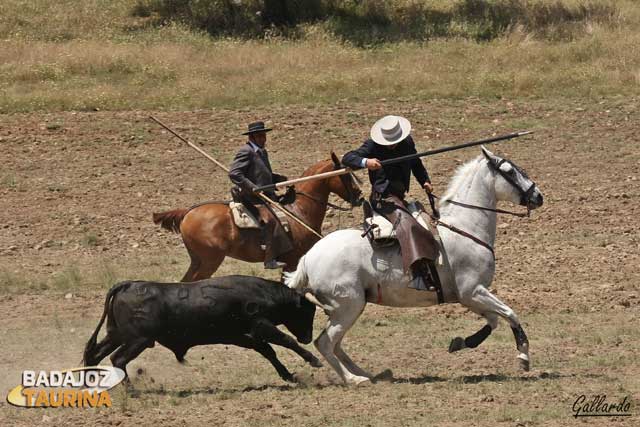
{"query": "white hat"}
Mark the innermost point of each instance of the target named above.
(390, 130)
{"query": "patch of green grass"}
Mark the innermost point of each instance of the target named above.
(107, 275)
(9, 181)
(12, 282)
(90, 240)
(68, 279)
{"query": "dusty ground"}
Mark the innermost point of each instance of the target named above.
(78, 190)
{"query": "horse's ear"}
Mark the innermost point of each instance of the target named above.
(488, 154)
(335, 159)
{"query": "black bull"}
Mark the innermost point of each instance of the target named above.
(236, 310)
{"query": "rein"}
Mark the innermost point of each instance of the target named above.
(436, 219)
(465, 234)
(334, 206)
(483, 208)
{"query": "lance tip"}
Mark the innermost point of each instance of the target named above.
(525, 132)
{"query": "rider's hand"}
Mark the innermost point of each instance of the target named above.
(428, 187)
(373, 164)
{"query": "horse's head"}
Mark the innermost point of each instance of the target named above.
(512, 183)
(345, 186)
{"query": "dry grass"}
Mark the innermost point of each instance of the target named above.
(85, 75)
(64, 19)
(111, 61)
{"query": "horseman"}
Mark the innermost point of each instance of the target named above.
(251, 169)
(390, 137)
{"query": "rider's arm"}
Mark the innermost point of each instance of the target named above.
(238, 170)
(417, 167)
(357, 158)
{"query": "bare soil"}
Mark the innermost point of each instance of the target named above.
(78, 190)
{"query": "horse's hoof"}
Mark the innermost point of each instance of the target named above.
(386, 375)
(315, 362)
(361, 382)
(524, 362)
(457, 344)
(290, 378)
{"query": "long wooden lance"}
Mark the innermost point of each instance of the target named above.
(394, 160)
(224, 168)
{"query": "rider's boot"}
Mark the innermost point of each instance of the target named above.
(270, 263)
(263, 235)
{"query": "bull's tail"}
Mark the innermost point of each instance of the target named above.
(90, 347)
(170, 220)
(297, 279)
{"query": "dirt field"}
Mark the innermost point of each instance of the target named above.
(78, 190)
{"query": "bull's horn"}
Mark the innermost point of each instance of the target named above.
(312, 299)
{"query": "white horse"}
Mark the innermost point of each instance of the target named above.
(344, 272)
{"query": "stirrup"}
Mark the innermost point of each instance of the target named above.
(420, 283)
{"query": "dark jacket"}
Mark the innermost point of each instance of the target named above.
(250, 170)
(391, 179)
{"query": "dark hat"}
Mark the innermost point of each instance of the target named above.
(256, 127)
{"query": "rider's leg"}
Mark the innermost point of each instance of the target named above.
(278, 242)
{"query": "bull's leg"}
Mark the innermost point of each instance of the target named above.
(129, 351)
(267, 351)
(481, 300)
(472, 341)
(264, 349)
(103, 349)
(266, 331)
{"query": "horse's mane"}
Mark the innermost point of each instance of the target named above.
(315, 168)
(459, 177)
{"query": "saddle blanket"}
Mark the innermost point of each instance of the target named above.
(245, 219)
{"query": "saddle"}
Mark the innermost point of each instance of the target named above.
(381, 233)
(243, 218)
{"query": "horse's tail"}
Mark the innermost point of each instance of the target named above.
(297, 279)
(90, 348)
(170, 220)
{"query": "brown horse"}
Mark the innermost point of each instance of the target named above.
(210, 234)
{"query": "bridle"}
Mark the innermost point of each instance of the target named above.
(525, 196)
(347, 181)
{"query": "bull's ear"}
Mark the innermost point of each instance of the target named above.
(335, 159)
